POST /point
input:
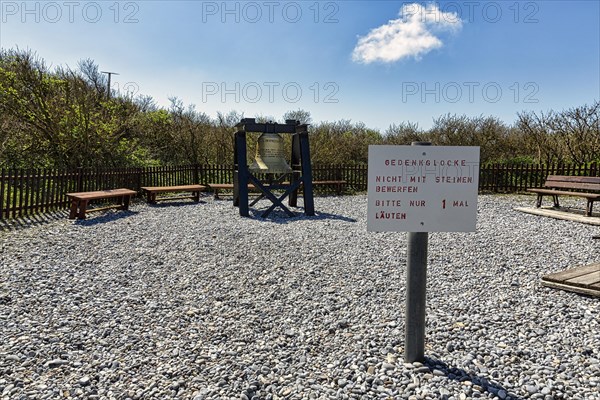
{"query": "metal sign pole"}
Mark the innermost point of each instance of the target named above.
(416, 283)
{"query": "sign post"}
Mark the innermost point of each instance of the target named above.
(420, 189)
(416, 284)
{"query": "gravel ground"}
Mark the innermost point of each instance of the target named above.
(191, 301)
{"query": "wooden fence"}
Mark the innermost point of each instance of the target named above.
(507, 178)
(28, 192)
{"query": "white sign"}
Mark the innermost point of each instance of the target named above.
(423, 188)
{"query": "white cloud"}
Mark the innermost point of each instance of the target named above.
(411, 35)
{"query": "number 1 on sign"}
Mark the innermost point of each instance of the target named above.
(444, 204)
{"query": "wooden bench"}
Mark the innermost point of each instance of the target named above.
(340, 186)
(80, 200)
(152, 191)
(216, 187)
(580, 186)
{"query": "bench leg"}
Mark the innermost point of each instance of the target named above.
(555, 199)
(149, 197)
(196, 196)
(538, 203)
(588, 209)
(82, 209)
(216, 194)
(126, 201)
(74, 206)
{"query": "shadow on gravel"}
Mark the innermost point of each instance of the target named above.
(280, 217)
(323, 216)
(171, 203)
(104, 218)
(32, 220)
(461, 375)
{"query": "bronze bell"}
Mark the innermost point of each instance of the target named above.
(270, 158)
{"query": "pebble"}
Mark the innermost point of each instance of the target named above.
(56, 363)
(85, 381)
(187, 300)
(531, 389)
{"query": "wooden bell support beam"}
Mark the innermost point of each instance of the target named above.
(240, 173)
(302, 169)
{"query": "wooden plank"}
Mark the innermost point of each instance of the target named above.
(588, 291)
(14, 193)
(36, 186)
(28, 202)
(566, 178)
(573, 185)
(561, 214)
(329, 182)
(573, 273)
(565, 193)
(2, 179)
(180, 188)
(62, 177)
(30, 194)
(573, 182)
(225, 186)
(21, 190)
(44, 189)
(102, 194)
(170, 198)
(54, 189)
(54, 198)
(586, 280)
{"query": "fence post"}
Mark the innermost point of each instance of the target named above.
(2, 195)
(196, 174)
(139, 171)
(80, 179)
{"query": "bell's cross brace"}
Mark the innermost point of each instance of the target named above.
(301, 168)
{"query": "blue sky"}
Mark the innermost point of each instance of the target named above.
(379, 62)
